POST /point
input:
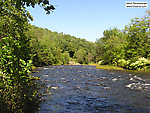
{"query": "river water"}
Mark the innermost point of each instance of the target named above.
(85, 89)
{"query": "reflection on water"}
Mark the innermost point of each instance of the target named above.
(85, 89)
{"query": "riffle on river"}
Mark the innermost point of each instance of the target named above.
(85, 89)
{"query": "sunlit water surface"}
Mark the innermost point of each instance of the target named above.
(85, 89)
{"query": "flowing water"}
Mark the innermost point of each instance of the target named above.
(85, 89)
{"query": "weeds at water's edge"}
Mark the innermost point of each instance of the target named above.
(108, 67)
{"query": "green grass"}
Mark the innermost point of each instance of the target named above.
(108, 67)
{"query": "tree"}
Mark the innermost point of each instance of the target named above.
(81, 56)
(110, 48)
(138, 38)
(18, 92)
(65, 57)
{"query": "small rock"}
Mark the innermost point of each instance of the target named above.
(46, 75)
(114, 79)
(103, 77)
(106, 87)
(131, 79)
(62, 78)
(46, 68)
(54, 87)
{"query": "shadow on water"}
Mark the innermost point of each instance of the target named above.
(85, 89)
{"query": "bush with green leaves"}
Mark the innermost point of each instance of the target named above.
(135, 64)
(123, 63)
(18, 91)
(140, 64)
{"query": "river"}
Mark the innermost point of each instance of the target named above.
(85, 89)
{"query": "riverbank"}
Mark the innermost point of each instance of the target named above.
(108, 67)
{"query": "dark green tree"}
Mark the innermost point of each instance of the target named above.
(138, 38)
(110, 48)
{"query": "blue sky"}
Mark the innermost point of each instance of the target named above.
(86, 18)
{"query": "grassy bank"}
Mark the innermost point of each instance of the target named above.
(108, 67)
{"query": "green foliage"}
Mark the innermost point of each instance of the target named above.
(123, 63)
(65, 57)
(135, 64)
(140, 64)
(110, 47)
(18, 92)
(49, 48)
(126, 48)
(81, 56)
(19, 98)
(14, 68)
(138, 38)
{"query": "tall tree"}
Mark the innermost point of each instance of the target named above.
(110, 48)
(138, 38)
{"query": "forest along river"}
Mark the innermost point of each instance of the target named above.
(85, 89)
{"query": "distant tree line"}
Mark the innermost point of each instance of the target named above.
(49, 48)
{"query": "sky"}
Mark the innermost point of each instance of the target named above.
(86, 19)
